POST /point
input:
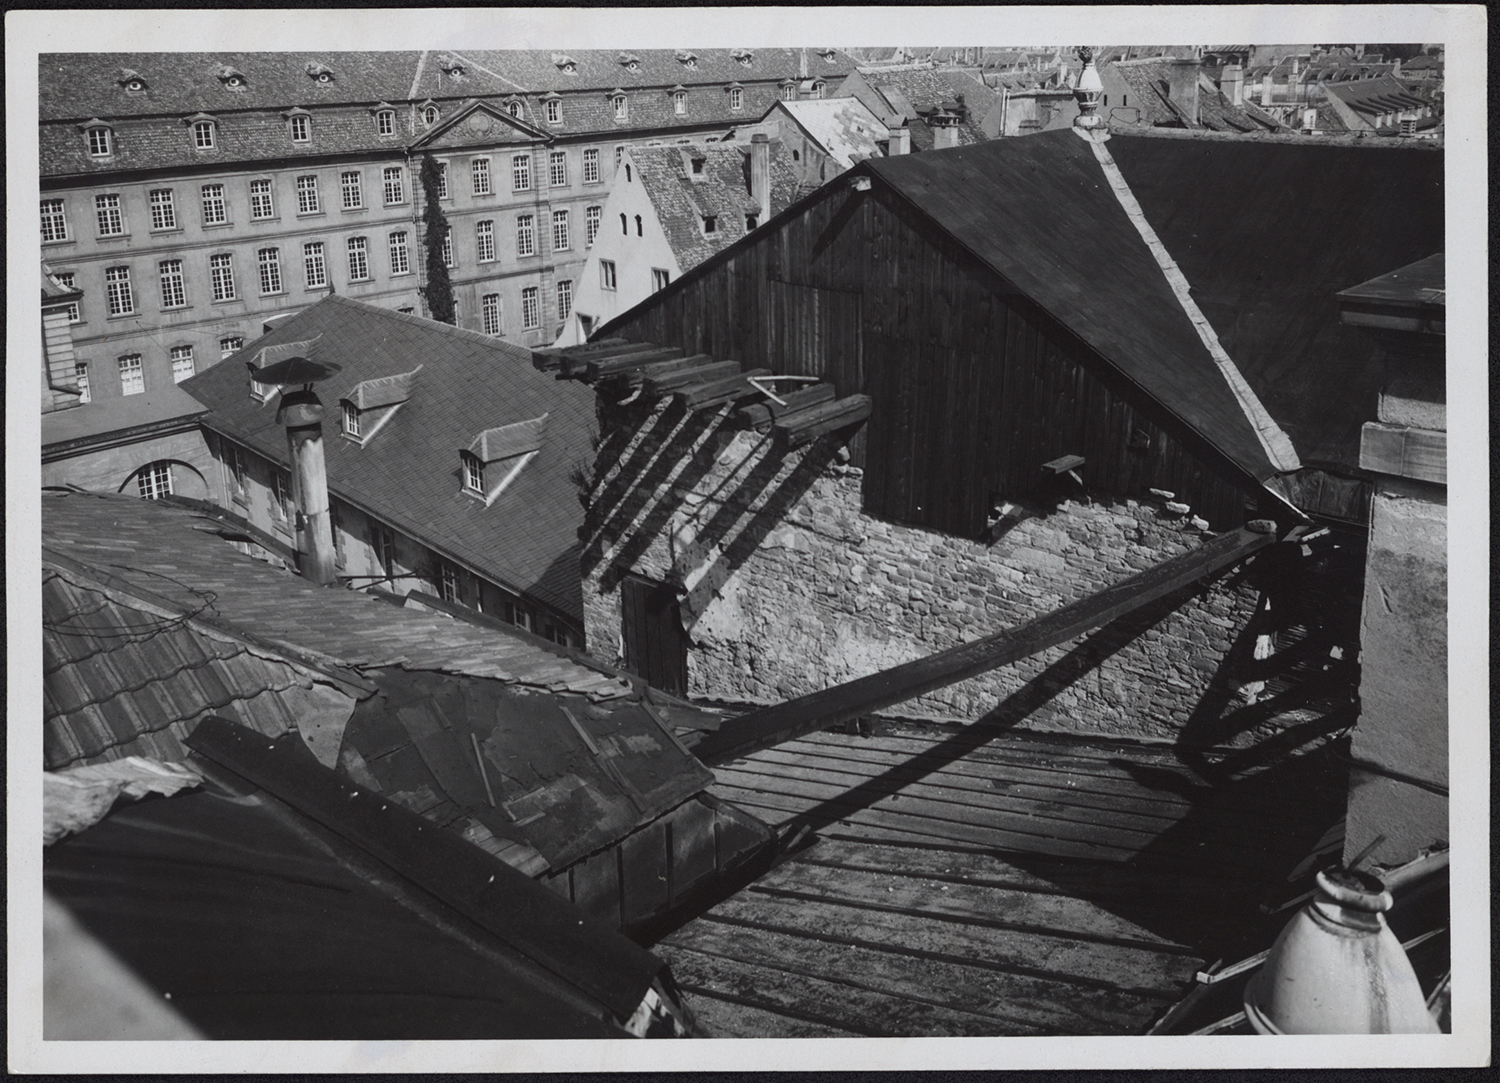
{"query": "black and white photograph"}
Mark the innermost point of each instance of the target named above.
(751, 526)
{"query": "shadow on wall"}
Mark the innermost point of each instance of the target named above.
(675, 451)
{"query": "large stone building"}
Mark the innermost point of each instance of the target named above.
(189, 195)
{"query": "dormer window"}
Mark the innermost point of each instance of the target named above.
(751, 221)
(473, 471)
(696, 164)
(430, 115)
(232, 78)
(828, 55)
(743, 56)
(621, 106)
(202, 127)
(687, 60)
(679, 102)
(453, 68)
(513, 107)
(101, 141)
(788, 91)
(710, 224)
(370, 404)
(818, 87)
(554, 109)
(736, 97)
(351, 420)
(630, 62)
(321, 74)
(132, 82)
(385, 120)
(299, 125)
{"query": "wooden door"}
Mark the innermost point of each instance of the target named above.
(655, 644)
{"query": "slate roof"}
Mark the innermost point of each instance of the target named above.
(97, 420)
(407, 473)
(1375, 96)
(844, 127)
(1148, 81)
(1039, 213)
(924, 90)
(723, 190)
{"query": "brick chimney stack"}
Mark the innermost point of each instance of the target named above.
(900, 141)
(944, 127)
(1233, 83)
(760, 173)
(1183, 86)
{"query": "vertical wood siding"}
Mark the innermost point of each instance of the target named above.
(973, 387)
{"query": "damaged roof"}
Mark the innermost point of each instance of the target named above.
(721, 190)
(1375, 97)
(844, 127)
(1149, 82)
(407, 473)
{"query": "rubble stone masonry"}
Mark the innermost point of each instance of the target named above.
(788, 587)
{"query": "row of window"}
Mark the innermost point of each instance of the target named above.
(132, 375)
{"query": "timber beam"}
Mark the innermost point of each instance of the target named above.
(763, 413)
(666, 383)
(553, 358)
(709, 393)
(805, 426)
(796, 718)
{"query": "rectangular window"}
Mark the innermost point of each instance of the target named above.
(261, 205)
(163, 209)
(54, 221)
(155, 480)
(351, 184)
(234, 470)
(490, 307)
(107, 210)
(203, 135)
(531, 308)
(448, 260)
(269, 261)
(313, 266)
(479, 170)
(520, 173)
(385, 122)
(622, 107)
(99, 142)
(301, 129)
(484, 240)
(659, 279)
(169, 272)
(619, 153)
(394, 185)
(525, 235)
(117, 289)
(385, 550)
(591, 219)
(221, 271)
(564, 299)
(132, 382)
(442, 180)
(557, 168)
(230, 344)
(679, 103)
(66, 278)
(736, 98)
(182, 363)
(359, 263)
(554, 111)
(281, 495)
(213, 205)
(448, 583)
(473, 473)
(400, 262)
(351, 419)
(307, 195)
(591, 165)
(560, 240)
(607, 274)
(81, 374)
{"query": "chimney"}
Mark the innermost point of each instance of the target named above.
(944, 127)
(1265, 88)
(760, 173)
(900, 141)
(802, 64)
(1183, 86)
(1233, 84)
(301, 412)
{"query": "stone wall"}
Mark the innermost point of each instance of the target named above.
(112, 469)
(789, 587)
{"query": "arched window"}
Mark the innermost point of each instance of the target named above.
(430, 115)
(155, 480)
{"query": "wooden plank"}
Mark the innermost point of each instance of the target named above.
(763, 413)
(866, 695)
(631, 376)
(1405, 452)
(723, 1015)
(804, 426)
(717, 392)
(669, 382)
(613, 365)
(1078, 963)
(552, 358)
(1011, 1000)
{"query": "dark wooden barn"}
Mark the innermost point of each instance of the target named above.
(1004, 307)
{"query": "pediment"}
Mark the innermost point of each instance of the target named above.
(480, 124)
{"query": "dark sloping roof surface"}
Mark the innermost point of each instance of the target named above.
(97, 419)
(118, 680)
(1039, 212)
(1148, 81)
(1267, 233)
(723, 191)
(408, 473)
(170, 553)
(1375, 96)
(1423, 282)
(565, 786)
(258, 930)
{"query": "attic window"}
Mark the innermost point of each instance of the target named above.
(621, 106)
(818, 88)
(299, 125)
(736, 97)
(132, 82)
(565, 63)
(473, 469)
(554, 110)
(513, 107)
(751, 221)
(687, 60)
(511, 446)
(630, 62)
(453, 68)
(351, 419)
(743, 56)
(827, 55)
(430, 115)
(788, 91)
(319, 73)
(710, 224)
(679, 102)
(697, 166)
(232, 78)
(101, 139)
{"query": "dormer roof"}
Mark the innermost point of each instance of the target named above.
(508, 441)
(385, 391)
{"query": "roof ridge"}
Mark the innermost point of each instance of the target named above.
(424, 322)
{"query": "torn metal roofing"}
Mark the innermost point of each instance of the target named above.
(407, 473)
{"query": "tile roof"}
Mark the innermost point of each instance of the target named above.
(172, 554)
(723, 190)
(1375, 96)
(407, 473)
(844, 127)
(1148, 81)
(535, 70)
(924, 90)
(155, 406)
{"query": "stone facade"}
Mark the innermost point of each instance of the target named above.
(787, 586)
